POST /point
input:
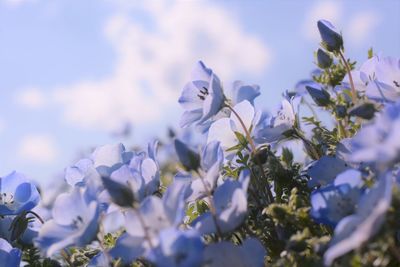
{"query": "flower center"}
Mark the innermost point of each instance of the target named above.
(78, 221)
(6, 199)
(203, 93)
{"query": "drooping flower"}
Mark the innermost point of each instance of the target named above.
(75, 222)
(377, 143)
(211, 162)
(324, 170)
(178, 248)
(17, 194)
(9, 256)
(230, 202)
(333, 202)
(103, 161)
(281, 123)
(145, 224)
(250, 253)
(353, 230)
(202, 97)
(128, 248)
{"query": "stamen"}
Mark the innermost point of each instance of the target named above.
(203, 93)
(6, 199)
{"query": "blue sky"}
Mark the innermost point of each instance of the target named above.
(72, 72)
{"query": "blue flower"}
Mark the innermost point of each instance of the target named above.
(17, 194)
(377, 143)
(128, 248)
(75, 222)
(100, 260)
(281, 123)
(331, 203)
(223, 130)
(331, 39)
(211, 162)
(144, 225)
(324, 170)
(9, 256)
(241, 91)
(103, 161)
(354, 230)
(141, 174)
(178, 248)
(230, 202)
(202, 97)
(212, 154)
(378, 78)
(158, 214)
(250, 253)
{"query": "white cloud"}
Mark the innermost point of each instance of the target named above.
(361, 26)
(154, 60)
(329, 10)
(31, 98)
(37, 149)
(17, 3)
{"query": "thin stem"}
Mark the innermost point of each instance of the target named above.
(36, 215)
(342, 129)
(253, 151)
(246, 131)
(353, 88)
(315, 115)
(212, 206)
(145, 229)
(313, 152)
(65, 255)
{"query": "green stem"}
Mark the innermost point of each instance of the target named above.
(212, 206)
(353, 88)
(253, 151)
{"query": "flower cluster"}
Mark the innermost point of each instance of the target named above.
(229, 191)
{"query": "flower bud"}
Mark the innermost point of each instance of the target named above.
(120, 194)
(331, 39)
(365, 111)
(320, 96)
(324, 60)
(189, 159)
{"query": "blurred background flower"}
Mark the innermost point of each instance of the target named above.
(78, 74)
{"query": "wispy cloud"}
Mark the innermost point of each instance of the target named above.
(361, 26)
(37, 149)
(31, 98)
(154, 59)
(16, 3)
